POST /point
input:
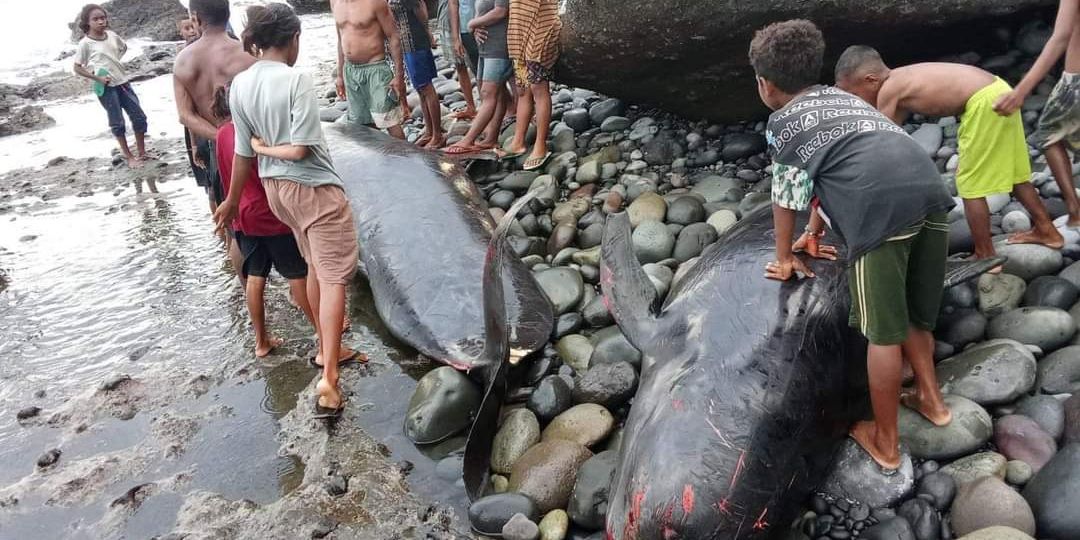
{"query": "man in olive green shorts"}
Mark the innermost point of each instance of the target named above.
(371, 101)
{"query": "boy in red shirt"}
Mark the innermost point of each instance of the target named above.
(264, 241)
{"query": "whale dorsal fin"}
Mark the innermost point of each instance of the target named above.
(628, 294)
(495, 359)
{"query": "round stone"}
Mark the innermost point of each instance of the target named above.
(653, 242)
(857, 477)
(1019, 437)
(563, 286)
(693, 240)
(1000, 293)
(940, 486)
(1052, 495)
(647, 207)
(685, 211)
(1059, 372)
(547, 472)
(962, 327)
(443, 404)
(589, 503)
(996, 371)
(970, 428)
(723, 220)
(555, 523)
(1047, 411)
(1045, 327)
(520, 527)
(575, 351)
(489, 514)
(970, 468)
(611, 346)
(997, 533)
(520, 430)
(586, 424)
(1051, 291)
(989, 502)
(1018, 472)
(550, 398)
(607, 384)
(1029, 261)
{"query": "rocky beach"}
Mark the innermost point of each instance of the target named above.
(163, 430)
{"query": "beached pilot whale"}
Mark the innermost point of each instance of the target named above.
(744, 389)
(424, 232)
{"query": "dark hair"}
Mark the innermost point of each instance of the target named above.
(269, 26)
(84, 16)
(854, 58)
(788, 54)
(220, 106)
(211, 12)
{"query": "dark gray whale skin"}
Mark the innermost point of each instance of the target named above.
(748, 386)
(424, 231)
(743, 390)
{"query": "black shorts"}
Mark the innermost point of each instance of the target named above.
(209, 178)
(262, 252)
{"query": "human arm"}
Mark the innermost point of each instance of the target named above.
(792, 191)
(498, 13)
(1053, 50)
(339, 79)
(786, 264)
(241, 171)
(809, 241)
(455, 27)
(121, 45)
(386, 21)
(287, 152)
(189, 116)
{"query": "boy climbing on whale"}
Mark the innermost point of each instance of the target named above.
(883, 195)
(993, 153)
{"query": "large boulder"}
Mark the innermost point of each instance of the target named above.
(151, 19)
(997, 371)
(615, 46)
(989, 502)
(970, 428)
(547, 472)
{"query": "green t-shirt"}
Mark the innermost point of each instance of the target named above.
(277, 103)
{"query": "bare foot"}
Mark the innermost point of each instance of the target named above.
(1052, 240)
(865, 434)
(436, 142)
(346, 324)
(263, 349)
(424, 139)
(329, 395)
(134, 163)
(937, 413)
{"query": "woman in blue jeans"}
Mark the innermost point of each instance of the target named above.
(98, 58)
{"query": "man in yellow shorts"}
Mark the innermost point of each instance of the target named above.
(993, 152)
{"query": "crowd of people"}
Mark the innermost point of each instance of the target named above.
(257, 146)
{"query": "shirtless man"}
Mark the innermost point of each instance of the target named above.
(208, 63)
(993, 151)
(363, 76)
(1060, 121)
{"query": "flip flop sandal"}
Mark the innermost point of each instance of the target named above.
(461, 150)
(358, 356)
(328, 413)
(536, 164)
(503, 154)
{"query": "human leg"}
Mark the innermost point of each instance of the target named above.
(110, 100)
(432, 117)
(1043, 231)
(1057, 158)
(129, 101)
(977, 213)
(524, 116)
(467, 89)
(878, 283)
(541, 95)
(484, 116)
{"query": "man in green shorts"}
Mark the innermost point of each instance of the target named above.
(887, 201)
(375, 91)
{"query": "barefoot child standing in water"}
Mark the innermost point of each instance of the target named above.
(1060, 121)
(885, 198)
(276, 117)
(993, 152)
(98, 59)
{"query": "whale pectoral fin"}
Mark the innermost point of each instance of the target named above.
(496, 357)
(628, 293)
(957, 272)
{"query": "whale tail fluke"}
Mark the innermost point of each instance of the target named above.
(957, 272)
(628, 293)
(495, 357)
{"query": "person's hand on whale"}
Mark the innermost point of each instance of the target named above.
(783, 270)
(809, 243)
